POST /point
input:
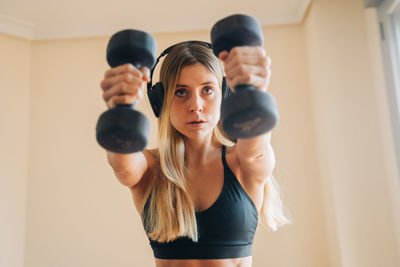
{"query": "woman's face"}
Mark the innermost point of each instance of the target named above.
(196, 104)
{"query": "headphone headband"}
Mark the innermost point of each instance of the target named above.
(167, 50)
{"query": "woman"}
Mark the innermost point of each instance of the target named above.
(199, 193)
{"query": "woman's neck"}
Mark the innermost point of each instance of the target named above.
(200, 152)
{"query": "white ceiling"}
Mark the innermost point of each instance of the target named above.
(48, 19)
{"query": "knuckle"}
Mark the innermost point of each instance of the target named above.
(107, 73)
(260, 50)
(127, 77)
(103, 84)
(126, 99)
(269, 73)
(127, 67)
(112, 101)
(264, 61)
(105, 97)
(264, 72)
(242, 69)
(124, 69)
(247, 78)
(109, 104)
(228, 76)
(122, 87)
(235, 51)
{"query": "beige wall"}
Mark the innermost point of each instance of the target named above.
(15, 66)
(355, 149)
(335, 162)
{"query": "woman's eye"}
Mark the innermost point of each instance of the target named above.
(208, 90)
(180, 92)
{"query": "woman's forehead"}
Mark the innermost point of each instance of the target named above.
(196, 73)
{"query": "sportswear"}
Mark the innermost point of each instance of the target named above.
(226, 229)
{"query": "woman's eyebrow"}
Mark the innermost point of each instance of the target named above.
(212, 82)
(184, 85)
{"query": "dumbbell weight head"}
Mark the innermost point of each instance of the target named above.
(235, 30)
(123, 129)
(247, 114)
(132, 46)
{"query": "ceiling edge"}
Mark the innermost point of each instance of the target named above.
(26, 30)
(17, 27)
(304, 10)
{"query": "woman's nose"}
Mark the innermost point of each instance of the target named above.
(196, 104)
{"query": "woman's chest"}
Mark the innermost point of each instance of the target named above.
(205, 184)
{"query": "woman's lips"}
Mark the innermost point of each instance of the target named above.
(197, 123)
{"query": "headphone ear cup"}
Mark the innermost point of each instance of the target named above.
(156, 98)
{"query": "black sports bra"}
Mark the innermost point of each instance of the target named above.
(226, 229)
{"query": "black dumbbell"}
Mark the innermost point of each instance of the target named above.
(123, 129)
(248, 112)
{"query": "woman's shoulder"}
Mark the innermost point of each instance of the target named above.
(152, 151)
(230, 149)
(152, 156)
(231, 157)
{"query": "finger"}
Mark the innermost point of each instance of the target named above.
(127, 77)
(269, 61)
(122, 69)
(223, 55)
(242, 69)
(246, 52)
(269, 73)
(268, 80)
(123, 88)
(146, 74)
(254, 60)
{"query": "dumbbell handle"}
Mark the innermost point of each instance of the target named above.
(241, 87)
(132, 106)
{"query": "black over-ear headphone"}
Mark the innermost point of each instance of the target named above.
(156, 92)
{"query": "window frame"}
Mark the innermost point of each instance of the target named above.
(388, 13)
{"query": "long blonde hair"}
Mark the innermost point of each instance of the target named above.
(171, 212)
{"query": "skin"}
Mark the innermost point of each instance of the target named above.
(197, 99)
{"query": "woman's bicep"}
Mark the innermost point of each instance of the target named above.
(259, 167)
(129, 168)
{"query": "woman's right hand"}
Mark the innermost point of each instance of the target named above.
(124, 84)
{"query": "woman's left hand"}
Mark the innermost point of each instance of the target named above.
(247, 65)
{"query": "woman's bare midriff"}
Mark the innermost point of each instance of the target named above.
(238, 262)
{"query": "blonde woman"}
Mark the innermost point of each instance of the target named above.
(201, 194)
